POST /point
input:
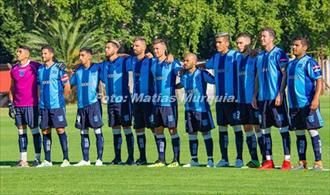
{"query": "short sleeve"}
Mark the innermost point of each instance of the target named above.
(73, 79)
(64, 77)
(129, 63)
(208, 77)
(177, 66)
(314, 70)
(283, 59)
(210, 63)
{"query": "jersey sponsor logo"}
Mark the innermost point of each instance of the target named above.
(221, 71)
(264, 69)
(21, 73)
(54, 72)
(47, 82)
(111, 76)
(91, 84)
(159, 78)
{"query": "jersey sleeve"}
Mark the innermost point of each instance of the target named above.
(282, 59)
(177, 66)
(64, 77)
(208, 77)
(210, 62)
(73, 79)
(128, 63)
(314, 70)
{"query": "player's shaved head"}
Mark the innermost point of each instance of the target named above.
(192, 56)
(245, 36)
(243, 42)
(189, 61)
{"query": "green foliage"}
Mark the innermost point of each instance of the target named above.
(186, 25)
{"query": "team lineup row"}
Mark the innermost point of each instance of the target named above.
(253, 83)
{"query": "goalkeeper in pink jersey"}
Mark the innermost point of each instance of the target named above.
(23, 103)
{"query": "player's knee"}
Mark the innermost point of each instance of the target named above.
(223, 128)
(192, 136)
(84, 131)
(248, 128)
(98, 131)
(35, 131)
(313, 132)
(141, 130)
(173, 131)
(300, 132)
(46, 131)
(237, 128)
(207, 135)
(60, 130)
(21, 131)
(283, 129)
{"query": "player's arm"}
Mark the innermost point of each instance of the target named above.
(209, 78)
(283, 61)
(314, 72)
(11, 111)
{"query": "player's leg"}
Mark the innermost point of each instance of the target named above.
(45, 126)
(85, 145)
(126, 122)
(93, 112)
(239, 145)
(206, 126)
(261, 141)
(114, 123)
(266, 131)
(141, 141)
(235, 115)
(223, 134)
(191, 128)
(32, 117)
(22, 137)
(314, 122)
(59, 123)
(251, 142)
(280, 118)
(171, 123)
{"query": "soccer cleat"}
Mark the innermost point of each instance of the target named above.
(222, 163)
(253, 164)
(36, 163)
(318, 166)
(98, 162)
(82, 163)
(130, 162)
(22, 164)
(302, 165)
(116, 162)
(141, 162)
(268, 164)
(173, 164)
(45, 163)
(286, 165)
(65, 163)
(192, 164)
(158, 163)
(239, 163)
(210, 164)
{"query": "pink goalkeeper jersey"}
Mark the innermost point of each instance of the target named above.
(25, 84)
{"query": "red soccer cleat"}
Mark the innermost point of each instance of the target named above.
(286, 165)
(268, 164)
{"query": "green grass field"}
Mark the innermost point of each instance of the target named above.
(143, 180)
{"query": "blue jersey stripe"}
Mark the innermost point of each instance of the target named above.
(46, 88)
(221, 75)
(85, 80)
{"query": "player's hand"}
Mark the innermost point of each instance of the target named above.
(11, 112)
(254, 103)
(169, 58)
(314, 105)
(279, 100)
(254, 52)
(149, 55)
(181, 71)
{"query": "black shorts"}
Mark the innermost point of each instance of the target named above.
(89, 116)
(120, 114)
(198, 121)
(272, 115)
(304, 118)
(52, 118)
(27, 116)
(165, 116)
(249, 115)
(142, 113)
(227, 114)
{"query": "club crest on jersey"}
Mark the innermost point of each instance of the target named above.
(21, 73)
(54, 72)
(311, 119)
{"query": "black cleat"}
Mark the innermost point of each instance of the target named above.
(116, 162)
(141, 162)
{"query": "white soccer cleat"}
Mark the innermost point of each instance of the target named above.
(239, 163)
(210, 164)
(222, 163)
(82, 163)
(98, 162)
(192, 164)
(45, 163)
(65, 163)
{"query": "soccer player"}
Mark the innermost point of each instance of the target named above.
(86, 78)
(23, 103)
(115, 77)
(143, 90)
(269, 96)
(249, 115)
(304, 88)
(224, 63)
(53, 84)
(165, 110)
(198, 115)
